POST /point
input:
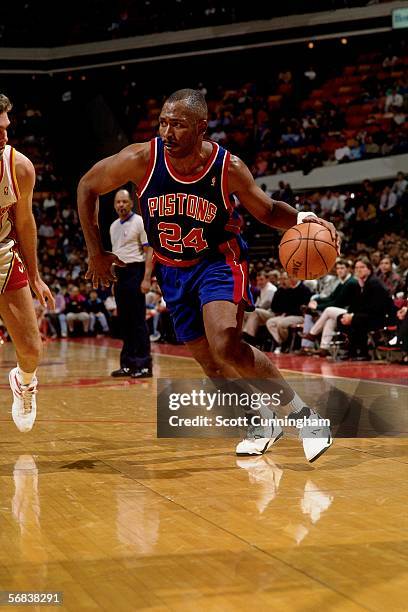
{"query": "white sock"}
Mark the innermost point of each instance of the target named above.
(25, 377)
(296, 404)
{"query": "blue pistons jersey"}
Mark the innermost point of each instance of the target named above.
(193, 227)
(187, 217)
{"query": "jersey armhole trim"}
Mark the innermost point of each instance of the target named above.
(1, 169)
(13, 172)
(224, 181)
(150, 169)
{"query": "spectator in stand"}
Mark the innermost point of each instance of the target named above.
(328, 203)
(110, 305)
(287, 308)
(400, 186)
(46, 229)
(387, 147)
(401, 339)
(371, 148)
(390, 61)
(391, 280)
(326, 285)
(393, 101)
(97, 312)
(402, 333)
(155, 306)
(41, 319)
(262, 310)
(219, 136)
(375, 258)
(403, 266)
(365, 219)
(50, 205)
(76, 310)
(331, 307)
(342, 153)
(388, 210)
(357, 150)
(57, 319)
(399, 117)
(388, 199)
(284, 193)
(368, 310)
(273, 277)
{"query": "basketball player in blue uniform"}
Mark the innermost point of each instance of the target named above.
(185, 186)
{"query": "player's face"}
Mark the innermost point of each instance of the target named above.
(179, 129)
(4, 123)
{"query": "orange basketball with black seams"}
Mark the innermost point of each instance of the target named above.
(307, 251)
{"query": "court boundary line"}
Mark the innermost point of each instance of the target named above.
(369, 380)
(320, 375)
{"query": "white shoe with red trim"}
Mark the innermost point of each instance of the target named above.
(24, 410)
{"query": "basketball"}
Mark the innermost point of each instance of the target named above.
(307, 251)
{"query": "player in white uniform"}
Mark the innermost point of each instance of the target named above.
(19, 272)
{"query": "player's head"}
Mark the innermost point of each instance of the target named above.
(183, 121)
(123, 203)
(5, 107)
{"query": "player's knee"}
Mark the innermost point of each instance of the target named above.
(226, 346)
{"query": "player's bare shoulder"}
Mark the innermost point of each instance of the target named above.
(25, 172)
(130, 164)
(136, 157)
(239, 176)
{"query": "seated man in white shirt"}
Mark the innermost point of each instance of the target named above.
(262, 310)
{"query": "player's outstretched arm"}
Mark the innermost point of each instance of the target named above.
(111, 173)
(26, 229)
(271, 212)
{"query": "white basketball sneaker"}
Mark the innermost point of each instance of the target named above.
(316, 438)
(259, 439)
(24, 410)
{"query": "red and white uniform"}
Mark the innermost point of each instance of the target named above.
(12, 270)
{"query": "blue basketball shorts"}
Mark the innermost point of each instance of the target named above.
(220, 276)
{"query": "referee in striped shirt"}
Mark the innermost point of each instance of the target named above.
(129, 243)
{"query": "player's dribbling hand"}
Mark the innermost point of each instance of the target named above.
(100, 268)
(145, 286)
(43, 293)
(328, 225)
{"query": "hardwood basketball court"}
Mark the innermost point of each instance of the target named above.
(95, 506)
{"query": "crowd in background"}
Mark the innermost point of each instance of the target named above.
(371, 218)
(370, 222)
(302, 120)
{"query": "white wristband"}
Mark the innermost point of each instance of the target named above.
(302, 216)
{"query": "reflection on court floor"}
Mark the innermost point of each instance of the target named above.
(95, 506)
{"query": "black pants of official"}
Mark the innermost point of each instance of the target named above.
(131, 305)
